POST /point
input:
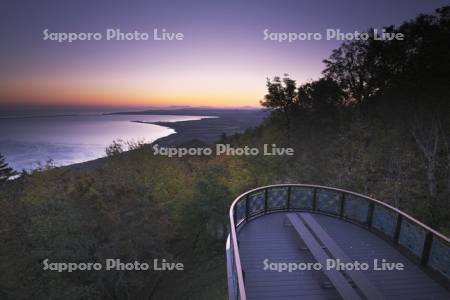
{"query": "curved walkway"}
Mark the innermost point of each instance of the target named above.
(271, 237)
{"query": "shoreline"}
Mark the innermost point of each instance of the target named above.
(204, 131)
(185, 131)
(207, 130)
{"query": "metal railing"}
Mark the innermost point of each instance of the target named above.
(424, 245)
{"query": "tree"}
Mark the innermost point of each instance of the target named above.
(6, 172)
(421, 92)
(282, 96)
(115, 148)
(357, 68)
(321, 97)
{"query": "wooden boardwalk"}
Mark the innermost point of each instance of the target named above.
(271, 237)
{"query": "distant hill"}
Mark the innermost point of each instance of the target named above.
(199, 111)
(208, 130)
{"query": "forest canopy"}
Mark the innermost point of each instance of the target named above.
(377, 122)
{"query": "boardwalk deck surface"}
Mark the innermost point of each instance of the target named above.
(269, 237)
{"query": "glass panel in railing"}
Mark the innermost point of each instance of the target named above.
(440, 257)
(412, 237)
(301, 198)
(384, 220)
(235, 284)
(356, 208)
(232, 281)
(328, 201)
(240, 210)
(256, 202)
(277, 197)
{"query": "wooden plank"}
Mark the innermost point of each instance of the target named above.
(337, 278)
(267, 237)
(361, 281)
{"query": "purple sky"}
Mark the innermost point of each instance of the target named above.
(223, 59)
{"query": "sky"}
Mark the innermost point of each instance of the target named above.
(223, 59)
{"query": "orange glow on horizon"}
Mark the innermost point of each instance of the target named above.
(189, 89)
(124, 98)
(180, 77)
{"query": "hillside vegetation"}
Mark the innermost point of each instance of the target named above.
(377, 122)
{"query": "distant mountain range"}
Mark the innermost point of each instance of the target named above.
(197, 111)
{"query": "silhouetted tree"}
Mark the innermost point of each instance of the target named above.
(321, 97)
(6, 171)
(282, 96)
(356, 68)
(419, 85)
(115, 148)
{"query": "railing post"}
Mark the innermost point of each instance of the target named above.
(246, 207)
(314, 199)
(426, 249)
(370, 214)
(266, 194)
(289, 197)
(398, 228)
(239, 273)
(342, 204)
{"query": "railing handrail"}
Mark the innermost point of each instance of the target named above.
(233, 234)
(237, 257)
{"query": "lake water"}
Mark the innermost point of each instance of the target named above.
(26, 141)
